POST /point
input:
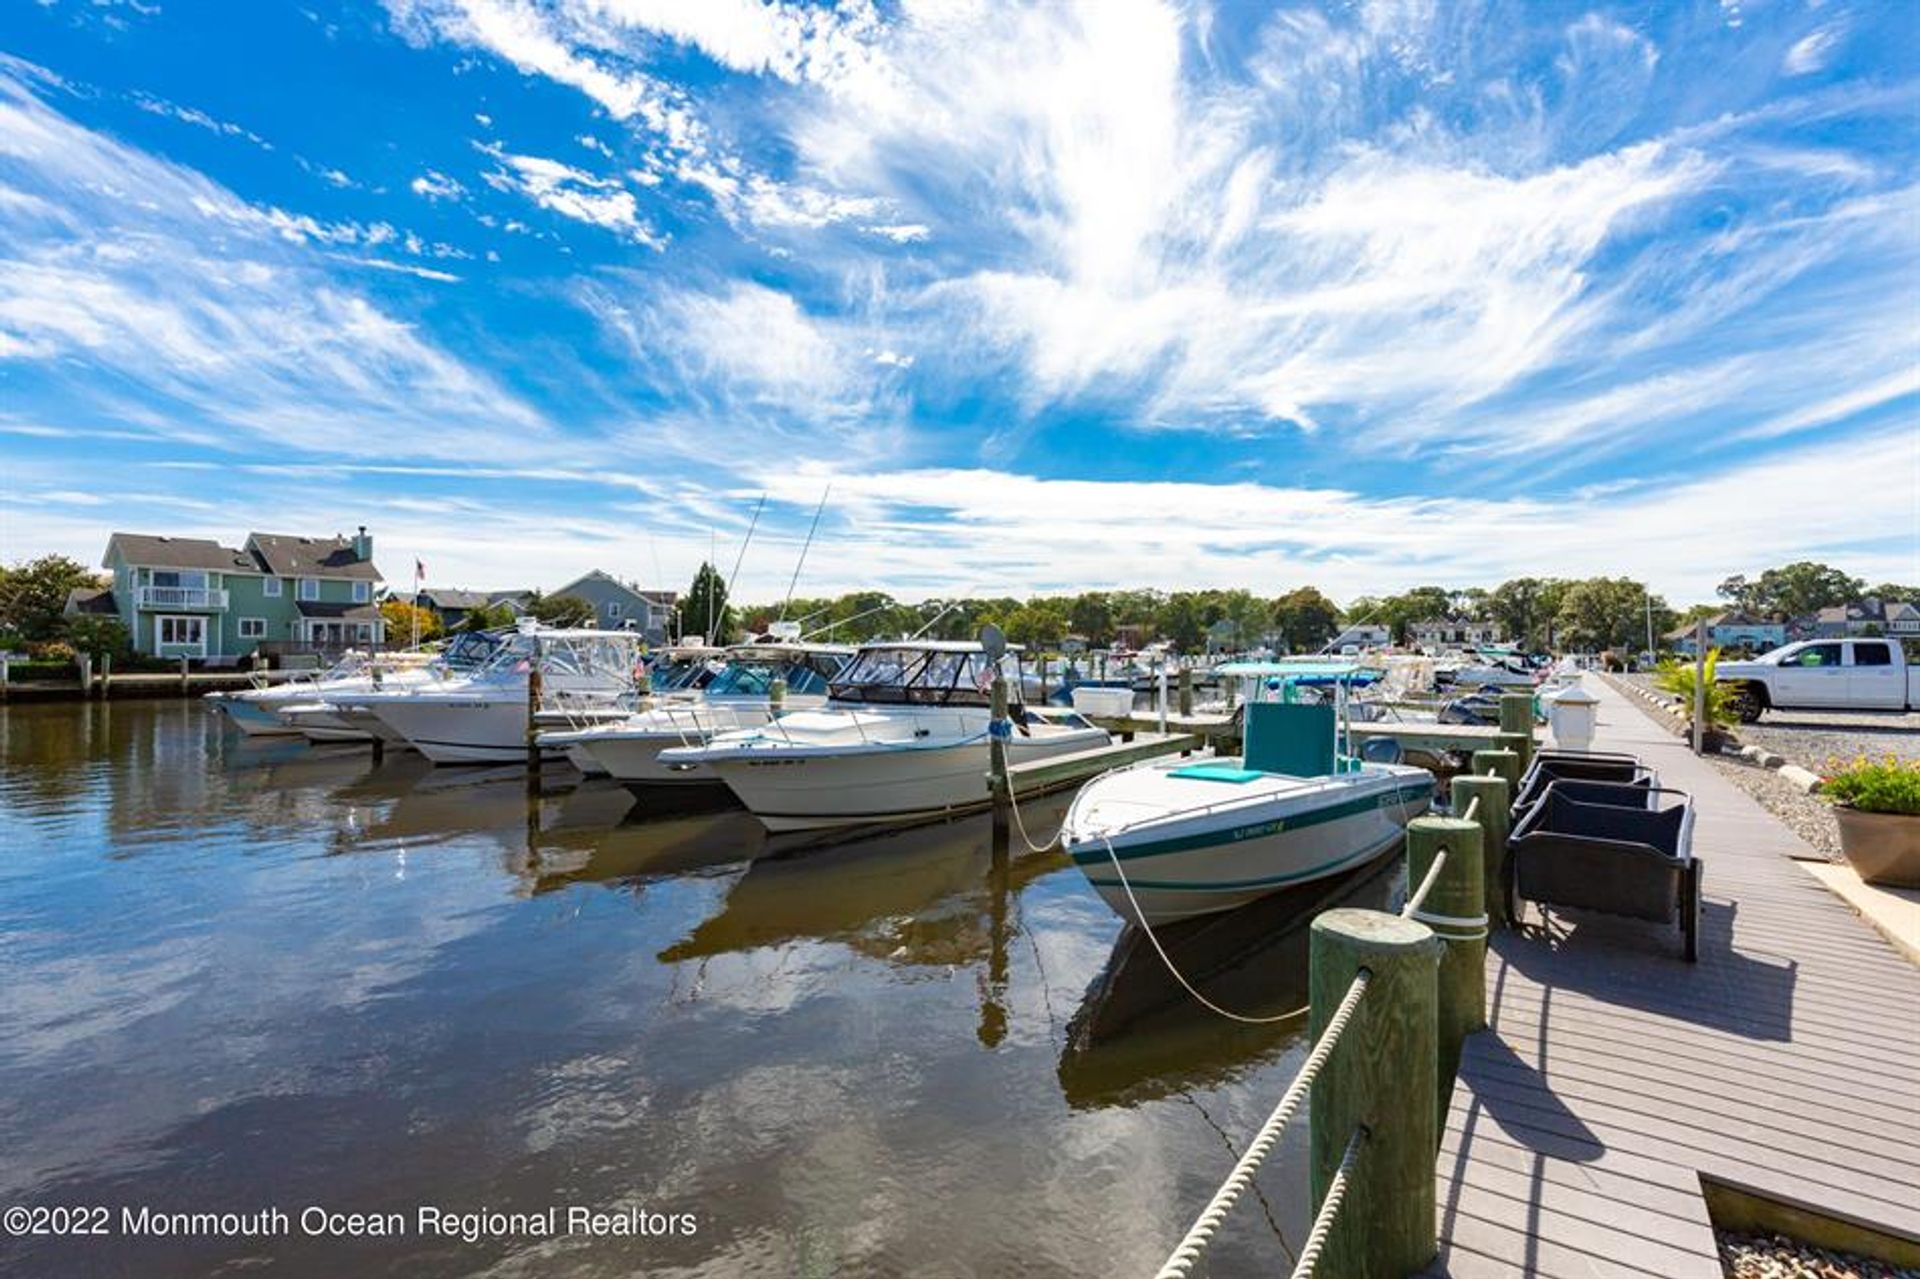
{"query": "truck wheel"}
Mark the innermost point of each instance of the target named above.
(1747, 705)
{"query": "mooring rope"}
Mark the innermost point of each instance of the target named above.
(1140, 917)
(1419, 897)
(1329, 1207)
(1200, 1234)
(1019, 822)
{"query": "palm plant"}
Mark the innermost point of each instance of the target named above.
(1677, 678)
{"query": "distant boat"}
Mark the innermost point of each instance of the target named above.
(257, 711)
(903, 736)
(1169, 839)
(738, 697)
(483, 719)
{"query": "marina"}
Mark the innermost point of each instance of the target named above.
(1567, 1147)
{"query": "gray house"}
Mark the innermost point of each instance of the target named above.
(623, 606)
(450, 604)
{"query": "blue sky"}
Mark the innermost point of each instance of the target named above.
(1366, 295)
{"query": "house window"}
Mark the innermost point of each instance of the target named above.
(309, 588)
(360, 592)
(364, 631)
(173, 577)
(613, 609)
(270, 587)
(253, 628)
(181, 632)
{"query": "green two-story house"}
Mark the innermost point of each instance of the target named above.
(190, 597)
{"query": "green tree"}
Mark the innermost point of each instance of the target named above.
(1800, 588)
(561, 610)
(1091, 614)
(704, 609)
(1039, 623)
(1184, 620)
(1609, 612)
(99, 636)
(1306, 619)
(1524, 609)
(488, 617)
(401, 616)
(1890, 593)
(33, 595)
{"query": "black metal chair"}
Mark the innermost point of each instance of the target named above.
(1631, 860)
(1550, 767)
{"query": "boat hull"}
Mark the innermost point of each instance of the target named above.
(791, 790)
(1212, 861)
(462, 730)
(254, 718)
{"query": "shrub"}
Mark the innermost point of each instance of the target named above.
(1677, 678)
(1890, 785)
(51, 651)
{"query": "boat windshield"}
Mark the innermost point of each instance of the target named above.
(469, 650)
(679, 674)
(933, 677)
(755, 679)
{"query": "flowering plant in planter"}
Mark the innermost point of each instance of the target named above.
(1890, 785)
(1877, 806)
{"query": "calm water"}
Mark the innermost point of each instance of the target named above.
(238, 976)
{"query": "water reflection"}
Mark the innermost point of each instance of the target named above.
(236, 973)
(1138, 1035)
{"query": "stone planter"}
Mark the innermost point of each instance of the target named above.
(1883, 848)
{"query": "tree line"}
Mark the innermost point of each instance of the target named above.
(1539, 613)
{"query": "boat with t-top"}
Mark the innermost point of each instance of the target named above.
(902, 737)
(741, 696)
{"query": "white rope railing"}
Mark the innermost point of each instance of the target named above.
(1329, 1208)
(1200, 1234)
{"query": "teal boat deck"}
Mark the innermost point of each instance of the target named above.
(1614, 1076)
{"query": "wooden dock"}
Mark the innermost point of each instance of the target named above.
(1042, 775)
(1614, 1077)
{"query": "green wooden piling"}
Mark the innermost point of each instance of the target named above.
(1516, 716)
(1456, 911)
(1493, 818)
(1501, 763)
(1186, 690)
(1380, 1077)
(777, 697)
(997, 786)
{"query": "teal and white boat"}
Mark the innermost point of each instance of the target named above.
(1170, 839)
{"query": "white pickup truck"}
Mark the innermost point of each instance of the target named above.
(1835, 674)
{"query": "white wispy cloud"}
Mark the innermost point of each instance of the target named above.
(214, 308)
(572, 193)
(1811, 52)
(434, 185)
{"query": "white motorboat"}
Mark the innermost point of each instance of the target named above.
(902, 737)
(256, 711)
(326, 715)
(484, 719)
(1169, 839)
(739, 697)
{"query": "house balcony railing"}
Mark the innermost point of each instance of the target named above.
(199, 597)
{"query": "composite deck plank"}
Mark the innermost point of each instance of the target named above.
(1614, 1076)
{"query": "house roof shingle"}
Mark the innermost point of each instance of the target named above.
(95, 601)
(149, 551)
(289, 556)
(448, 597)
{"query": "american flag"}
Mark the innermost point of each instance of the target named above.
(419, 571)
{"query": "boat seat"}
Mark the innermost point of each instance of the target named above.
(1382, 750)
(1292, 739)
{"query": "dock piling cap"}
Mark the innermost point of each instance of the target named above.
(1376, 930)
(1571, 695)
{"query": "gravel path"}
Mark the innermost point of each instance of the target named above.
(1778, 1257)
(1813, 738)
